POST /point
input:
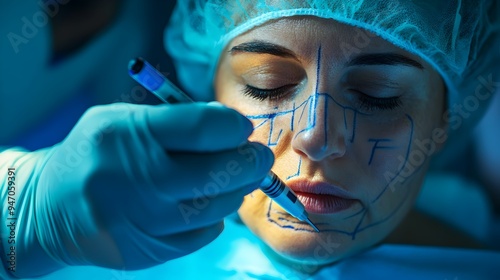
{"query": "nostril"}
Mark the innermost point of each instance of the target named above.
(317, 147)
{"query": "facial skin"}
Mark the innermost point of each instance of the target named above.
(342, 119)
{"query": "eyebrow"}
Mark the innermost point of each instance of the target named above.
(384, 59)
(263, 48)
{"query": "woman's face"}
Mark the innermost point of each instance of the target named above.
(352, 121)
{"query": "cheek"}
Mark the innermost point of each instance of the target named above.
(375, 153)
(391, 162)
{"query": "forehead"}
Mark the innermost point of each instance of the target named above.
(305, 34)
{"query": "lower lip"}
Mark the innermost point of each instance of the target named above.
(324, 203)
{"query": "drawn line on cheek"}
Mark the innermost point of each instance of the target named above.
(303, 109)
(293, 224)
(298, 169)
(375, 146)
(307, 225)
(405, 198)
(260, 124)
(345, 119)
(269, 143)
(269, 219)
(405, 161)
(345, 110)
(356, 230)
(355, 214)
(309, 126)
(354, 125)
(325, 122)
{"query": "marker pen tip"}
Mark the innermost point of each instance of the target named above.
(312, 225)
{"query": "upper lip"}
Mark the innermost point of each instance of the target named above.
(308, 186)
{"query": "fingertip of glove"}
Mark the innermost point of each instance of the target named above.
(265, 157)
(268, 158)
(245, 123)
(247, 126)
(215, 104)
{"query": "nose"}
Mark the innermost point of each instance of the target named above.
(320, 133)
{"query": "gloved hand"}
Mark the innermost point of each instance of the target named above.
(132, 186)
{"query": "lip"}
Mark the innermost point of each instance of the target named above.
(322, 197)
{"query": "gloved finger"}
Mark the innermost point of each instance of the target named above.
(190, 214)
(193, 175)
(180, 244)
(197, 127)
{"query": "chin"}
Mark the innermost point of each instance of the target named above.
(303, 250)
(306, 248)
(300, 246)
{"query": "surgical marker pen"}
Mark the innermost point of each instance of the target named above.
(146, 75)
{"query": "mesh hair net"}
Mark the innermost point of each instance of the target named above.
(460, 38)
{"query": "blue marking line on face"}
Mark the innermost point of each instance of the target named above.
(298, 170)
(269, 142)
(401, 203)
(309, 123)
(316, 88)
(355, 214)
(311, 120)
(291, 224)
(356, 230)
(325, 121)
(260, 124)
(406, 159)
(354, 122)
(345, 120)
(313, 105)
(294, 227)
(375, 147)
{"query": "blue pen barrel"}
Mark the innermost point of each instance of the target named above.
(273, 187)
(145, 74)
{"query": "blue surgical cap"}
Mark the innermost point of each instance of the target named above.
(459, 38)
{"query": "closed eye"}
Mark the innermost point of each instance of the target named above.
(370, 103)
(274, 94)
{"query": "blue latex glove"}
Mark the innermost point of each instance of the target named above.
(132, 186)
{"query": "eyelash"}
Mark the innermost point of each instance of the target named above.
(370, 104)
(274, 94)
(365, 102)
